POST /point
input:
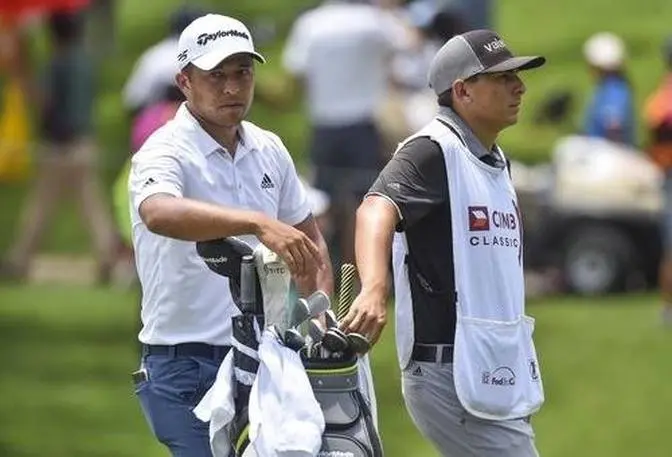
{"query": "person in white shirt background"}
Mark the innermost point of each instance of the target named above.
(208, 174)
(156, 68)
(344, 71)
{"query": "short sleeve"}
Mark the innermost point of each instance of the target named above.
(295, 53)
(293, 207)
(414, 180)
(154, 171)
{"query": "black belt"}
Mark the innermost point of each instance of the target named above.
(437, 353)
(187, 350)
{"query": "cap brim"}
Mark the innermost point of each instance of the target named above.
(210, 60)
(517, 63)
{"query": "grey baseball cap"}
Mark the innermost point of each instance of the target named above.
(473, 53)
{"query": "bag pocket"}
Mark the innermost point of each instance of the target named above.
(341, 409)
(496, 369)
(335, 445)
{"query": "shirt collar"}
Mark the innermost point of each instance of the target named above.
(468, 136)
(207, 144)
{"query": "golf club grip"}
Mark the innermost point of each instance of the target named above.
(248, 290)
(346, 295)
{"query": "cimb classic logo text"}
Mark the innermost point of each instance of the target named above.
(204, 38)
(494, 45)
(501, 376)
(335, 454)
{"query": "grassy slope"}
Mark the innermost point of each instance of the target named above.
(67, 353)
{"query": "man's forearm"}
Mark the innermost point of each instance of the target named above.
(192, 220)
(376, 219)
(324, 277)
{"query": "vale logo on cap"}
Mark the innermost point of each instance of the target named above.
(494, 45)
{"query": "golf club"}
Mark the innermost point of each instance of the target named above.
(335, 340)
(293, 339)
(358, 343)
(315, 330)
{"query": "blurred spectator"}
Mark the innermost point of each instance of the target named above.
(610, 112)
(658, 118)
(340, 51)
(434, 25)
(68, 161)
(145, 123)
(102, 26)
(156, 68)
(477, 13)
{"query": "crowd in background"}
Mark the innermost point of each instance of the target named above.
(360, 67)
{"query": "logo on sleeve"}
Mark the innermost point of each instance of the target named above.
(266, 182)
(478, 219)
(149, 182)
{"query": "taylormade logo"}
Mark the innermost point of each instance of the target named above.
(494, 45)
(205, 38)
(220, 259)
(335, 454)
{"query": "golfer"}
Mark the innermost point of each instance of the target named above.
(208, 174)
(445, 209)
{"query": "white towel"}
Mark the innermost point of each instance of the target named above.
(217, 407)
(285, 418)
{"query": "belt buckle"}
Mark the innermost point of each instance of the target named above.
(438, 355)
(440, 349)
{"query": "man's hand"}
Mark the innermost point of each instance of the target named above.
(298, 251)
(367, 316)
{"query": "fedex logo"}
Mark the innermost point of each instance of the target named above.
(479, 219)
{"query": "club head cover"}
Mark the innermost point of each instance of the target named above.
(223, 256)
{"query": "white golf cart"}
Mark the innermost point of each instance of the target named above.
(592, 216)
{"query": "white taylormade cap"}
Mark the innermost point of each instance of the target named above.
(212, 38)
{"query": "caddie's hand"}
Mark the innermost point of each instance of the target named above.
(367, 316)
(298, 251)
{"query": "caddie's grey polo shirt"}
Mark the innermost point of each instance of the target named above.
(182, 300)
(415, 181)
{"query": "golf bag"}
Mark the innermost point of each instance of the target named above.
(349, 428)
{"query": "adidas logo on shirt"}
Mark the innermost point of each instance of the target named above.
(266, 182)
(417, 371)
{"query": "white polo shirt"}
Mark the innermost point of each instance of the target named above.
(183, 301)
(345, 66)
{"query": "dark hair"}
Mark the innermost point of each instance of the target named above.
(66, 27)
(173, 93)
(445, 98)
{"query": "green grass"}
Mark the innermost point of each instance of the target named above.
(68, 351)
